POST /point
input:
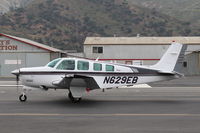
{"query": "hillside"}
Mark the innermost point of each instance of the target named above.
(65, 24)
(7, 5)
(185, 10)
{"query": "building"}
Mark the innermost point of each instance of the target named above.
(141, 50)
(18, 52)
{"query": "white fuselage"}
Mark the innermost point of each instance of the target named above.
(120, 75)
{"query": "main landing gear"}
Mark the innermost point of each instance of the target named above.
(74, 99)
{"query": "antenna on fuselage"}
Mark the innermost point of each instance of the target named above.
(97, 59)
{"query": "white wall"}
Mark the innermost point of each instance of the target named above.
(127, 51)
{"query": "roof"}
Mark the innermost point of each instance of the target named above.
(32, 43)
(140, 40)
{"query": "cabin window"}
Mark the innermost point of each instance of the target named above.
(98, 50)
(109, 68)
(67, 65)
(53, 63)
(97, 67)
(83, 65)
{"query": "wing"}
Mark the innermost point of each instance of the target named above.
(77, 84)
(76, 81)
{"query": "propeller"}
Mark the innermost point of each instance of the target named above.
(17, 78)
(17, 74)
(17, 81)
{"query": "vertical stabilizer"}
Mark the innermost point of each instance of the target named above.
(172, 60)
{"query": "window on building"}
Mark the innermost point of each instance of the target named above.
(66, 65)
(83, 65)
(53, 63)
(97, 67)
(184, 64)
(138, 62)
(97, 50)
(109, 68)
(129, 62)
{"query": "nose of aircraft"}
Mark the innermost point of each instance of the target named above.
(16, 72)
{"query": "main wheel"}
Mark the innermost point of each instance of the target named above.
(70, 95)
(22, 98)
(73, 99)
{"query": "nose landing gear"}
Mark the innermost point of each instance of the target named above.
(23, 97)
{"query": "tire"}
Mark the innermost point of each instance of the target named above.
(73, 99)
(76, 100)
(23, 98)
(70, 96)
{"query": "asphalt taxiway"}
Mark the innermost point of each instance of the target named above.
(174, 109)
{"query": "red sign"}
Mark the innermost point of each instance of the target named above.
(6, 45)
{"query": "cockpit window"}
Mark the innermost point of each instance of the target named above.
(53, 63)
(66, 65)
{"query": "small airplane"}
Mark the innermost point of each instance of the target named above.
(82, 75)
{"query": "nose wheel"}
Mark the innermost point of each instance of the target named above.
(23, 97)
(73, 99)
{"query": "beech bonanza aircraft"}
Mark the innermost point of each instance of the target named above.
(81, 75)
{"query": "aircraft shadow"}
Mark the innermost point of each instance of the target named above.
(65, 102)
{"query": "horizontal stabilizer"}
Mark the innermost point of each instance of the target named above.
(166, 72)
(170, 73)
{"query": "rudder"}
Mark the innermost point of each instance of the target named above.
(172, 60)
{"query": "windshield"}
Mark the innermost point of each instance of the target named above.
(53, 63)
(66, 65)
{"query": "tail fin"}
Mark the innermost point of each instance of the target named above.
(172, 60)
